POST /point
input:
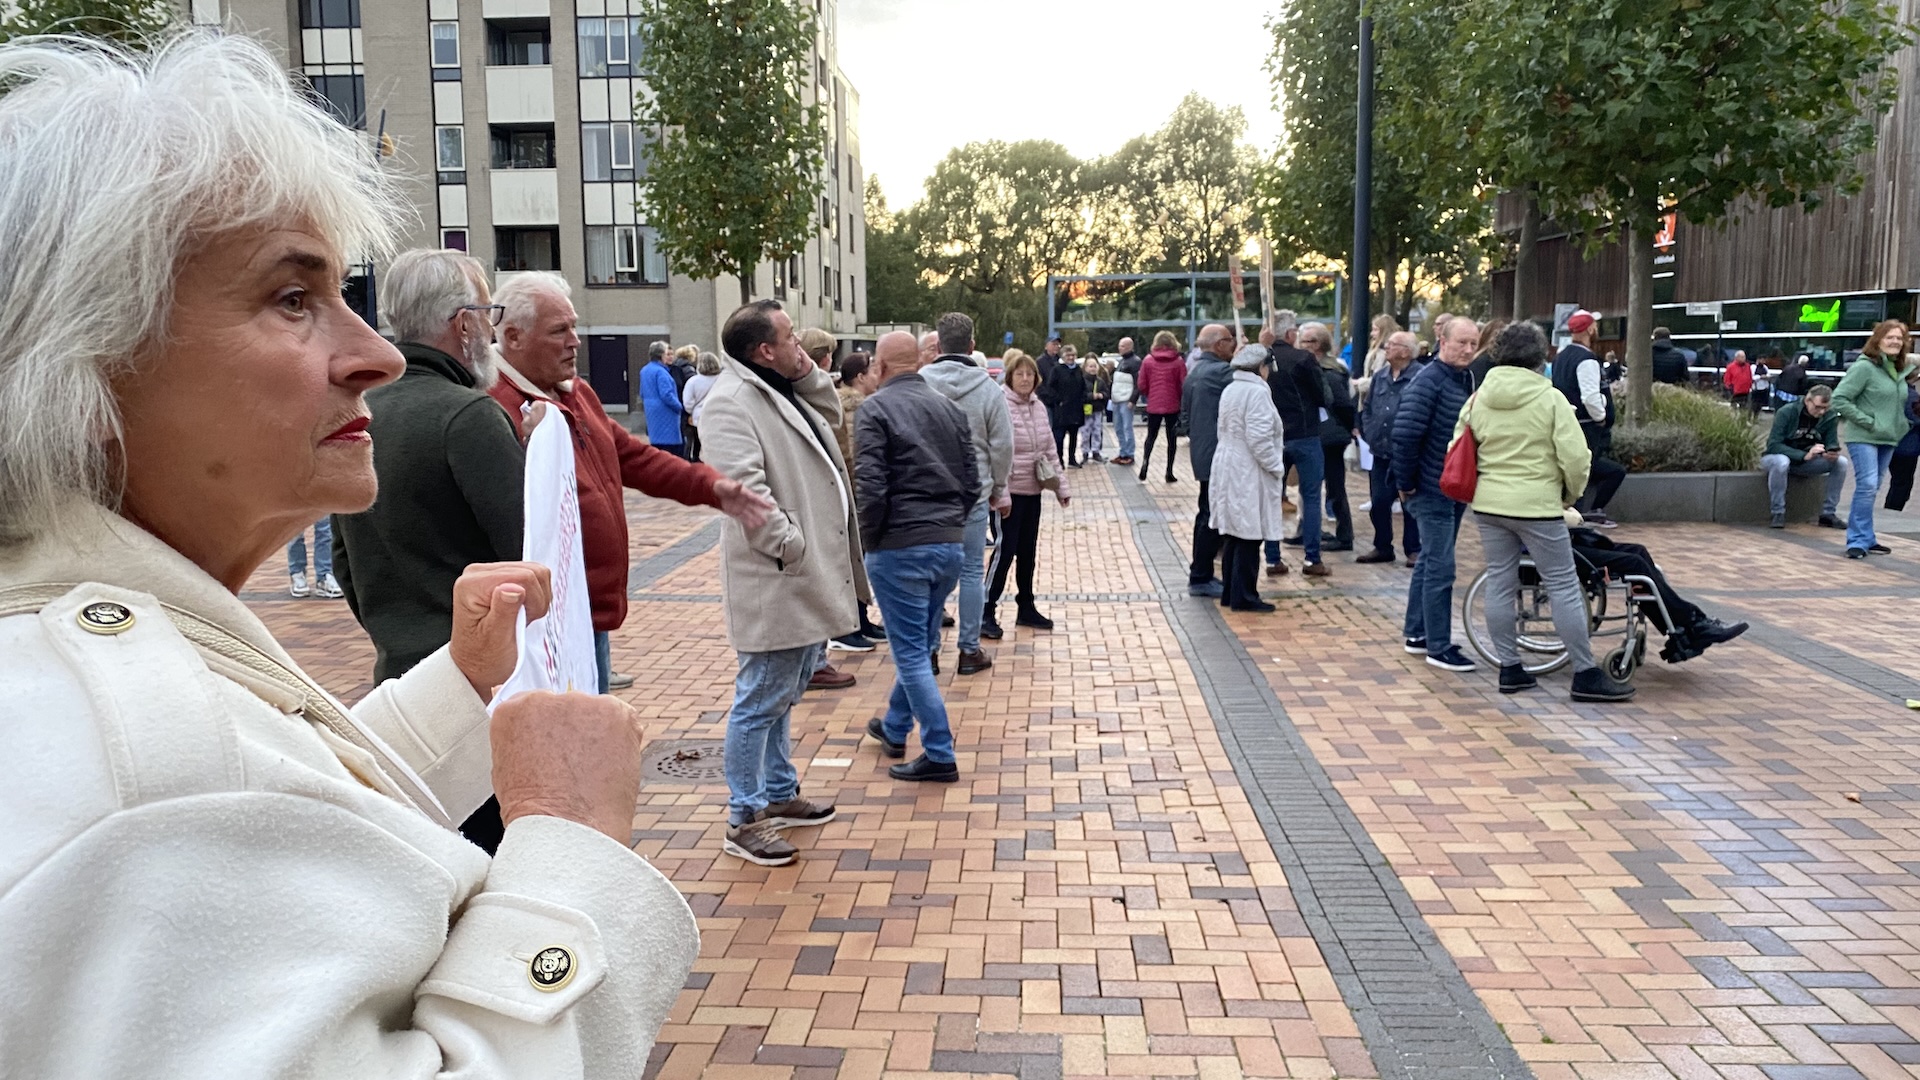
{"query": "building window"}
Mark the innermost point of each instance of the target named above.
(837, 294)
(452, 142)
(522, 148)
(849, 234)
(618, 44)
(526, 249)
(596, 152)
(329, 14)
(622, 139)
(518, 46)
(446, 44)
(796, 275)
(608, 47)
(345, 96)
(779, 279)
(453, 239)
(624, 255)
(826, 283)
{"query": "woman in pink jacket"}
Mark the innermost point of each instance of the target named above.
(1162, 375)
(1020, 531)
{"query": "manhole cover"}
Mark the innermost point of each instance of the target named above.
(686, 761)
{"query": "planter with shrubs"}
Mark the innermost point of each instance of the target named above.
(1697, 459)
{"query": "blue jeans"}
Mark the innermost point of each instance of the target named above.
(322, 551)
(1123, 428)
(1430, 593)
(1870, 463)
(911, 586)
(759, 750)
(973, 574)
(603, 657)
(1309, 461)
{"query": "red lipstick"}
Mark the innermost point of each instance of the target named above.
(353, 431)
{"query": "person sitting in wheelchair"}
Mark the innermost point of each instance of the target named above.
(1692, 630)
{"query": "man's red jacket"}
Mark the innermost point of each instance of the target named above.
(606, 460)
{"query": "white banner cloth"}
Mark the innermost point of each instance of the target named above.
(556, 652)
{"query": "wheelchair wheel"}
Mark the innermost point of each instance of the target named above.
(1622, 662)
(1538, 641)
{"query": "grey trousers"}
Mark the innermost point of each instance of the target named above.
(1502, 538)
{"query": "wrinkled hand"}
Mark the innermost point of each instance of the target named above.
(1064, 499)
(1267, 336)
(485, 601)
(749, 509)
(570, 756)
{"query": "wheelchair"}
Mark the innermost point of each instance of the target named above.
(1620, 607)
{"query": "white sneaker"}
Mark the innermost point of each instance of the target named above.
(1365, 506)
(329, 588)
(298, 586)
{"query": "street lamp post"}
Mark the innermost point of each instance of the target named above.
(1361, 268)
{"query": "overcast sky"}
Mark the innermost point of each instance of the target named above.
(1090, 74)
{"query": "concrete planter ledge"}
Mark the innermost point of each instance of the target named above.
(1729, 498)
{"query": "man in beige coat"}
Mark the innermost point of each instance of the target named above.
(789, 584)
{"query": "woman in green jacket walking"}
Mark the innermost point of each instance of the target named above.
(1533, 465)
(1872, 402)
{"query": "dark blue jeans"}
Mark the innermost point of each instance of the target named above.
(1430, 593)
(1380, 490)
(912, 585)
(1309, 462)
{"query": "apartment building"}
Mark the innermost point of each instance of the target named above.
(512, 121)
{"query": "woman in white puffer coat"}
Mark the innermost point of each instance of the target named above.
(1248, 482)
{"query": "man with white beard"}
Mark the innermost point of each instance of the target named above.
(450, 471)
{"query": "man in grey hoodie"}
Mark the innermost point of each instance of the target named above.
(954, 374)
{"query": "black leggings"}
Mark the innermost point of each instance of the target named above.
(1066, 443)
(1019, 543)
(1154, 423)
(1900, 481)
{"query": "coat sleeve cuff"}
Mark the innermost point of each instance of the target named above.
(434, 720)
(559, 884)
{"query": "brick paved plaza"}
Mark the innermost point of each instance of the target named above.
(1278, 846)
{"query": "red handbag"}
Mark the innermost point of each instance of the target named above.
(1460, 476)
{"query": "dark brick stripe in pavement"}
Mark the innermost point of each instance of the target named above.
(670, 558)
(1415, 1010)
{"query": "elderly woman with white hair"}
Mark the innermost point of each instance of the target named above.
(1248, 483)
(210, 866)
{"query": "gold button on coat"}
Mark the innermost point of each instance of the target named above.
(105, 617)
(551, 968)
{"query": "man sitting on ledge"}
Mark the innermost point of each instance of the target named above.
(1805, 442)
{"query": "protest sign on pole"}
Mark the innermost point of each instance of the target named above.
(556, 651)
(1239, 283)
(1267, 305)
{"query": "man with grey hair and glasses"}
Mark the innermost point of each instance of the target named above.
(450, 473)
(540, 344)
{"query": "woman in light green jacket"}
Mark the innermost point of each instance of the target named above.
(1533, 465)
(1872, 402)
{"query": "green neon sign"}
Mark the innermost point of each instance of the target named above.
(1825, 318)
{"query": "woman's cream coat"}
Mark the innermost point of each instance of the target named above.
(207, 872)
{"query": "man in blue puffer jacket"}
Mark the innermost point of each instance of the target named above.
(1429, 407)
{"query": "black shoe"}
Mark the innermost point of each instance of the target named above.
(990, 629)
(1294, 541)
(872, 632)
(1171, 479)
(922, 769)
(1032, 617)
(1074, 465)
(1594, 684)
(1680, 648)
(1451, 660)
(855, 643)
(1778, 521)
(1879, 549)
(1374, 556)
(972, 662)
(1260, 606)
(1337, 546)
(946, 620)
(1417, 646)
(1714, 632)
(1856, 553)
(1515, 678)
(1143, 474)
(1828, 521)
(879, 734)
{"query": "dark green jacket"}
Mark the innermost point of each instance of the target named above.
(450, 470)
(1787, 420)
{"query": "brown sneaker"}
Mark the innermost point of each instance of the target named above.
(830, 678)
(1278, 569)
(972, 662)
(797, 811)
(759, 843)
(1316, 569)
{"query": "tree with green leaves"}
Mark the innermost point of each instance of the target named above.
(1183, 195)
(897, 290)
(1616, 112)
(735, 174)
(125, 21)
(1428, 216)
